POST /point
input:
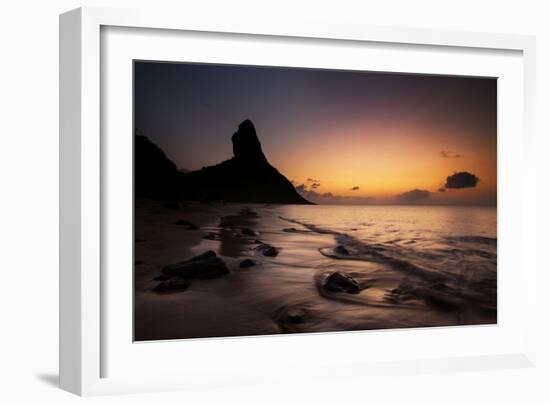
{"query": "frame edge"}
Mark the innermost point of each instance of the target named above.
(80, 348)
(70, 119)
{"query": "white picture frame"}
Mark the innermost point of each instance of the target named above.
(83, 173)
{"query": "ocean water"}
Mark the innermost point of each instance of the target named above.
(417, 266)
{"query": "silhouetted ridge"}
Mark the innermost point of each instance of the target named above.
(155, 176)
(247, 177)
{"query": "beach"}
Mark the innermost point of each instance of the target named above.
(407, 266)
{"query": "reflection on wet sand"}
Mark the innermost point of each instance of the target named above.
(336, 268)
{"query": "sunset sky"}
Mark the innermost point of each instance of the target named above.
(340, 136)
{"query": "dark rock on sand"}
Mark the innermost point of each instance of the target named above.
(267, 250)
(247, 263)
(187, 224)
(204, 266)
(247, 177)
(294, 315)
(341, 250)
(224, 223)
(339, 282)
(441, 287)
(249, 232)
(290, 318)
(173, 284)
(292, 229)
(212, 236)
(230, 221)
(248, 213)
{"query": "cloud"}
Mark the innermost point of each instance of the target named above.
(355, 188)
(461, 180)
(329, 197)
(414, 195)
(311, 183)
(450, 154)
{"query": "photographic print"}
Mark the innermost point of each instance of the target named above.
(277, 200)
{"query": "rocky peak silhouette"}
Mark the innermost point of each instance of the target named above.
(246, 146)
(248, 177)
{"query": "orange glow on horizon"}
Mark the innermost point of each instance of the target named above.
(384, 162)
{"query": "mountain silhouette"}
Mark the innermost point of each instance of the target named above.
(247, 177)
(155, 176)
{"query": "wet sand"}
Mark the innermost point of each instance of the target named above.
(208, 308)
(280, 294)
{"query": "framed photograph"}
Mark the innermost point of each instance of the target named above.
(243, 202)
